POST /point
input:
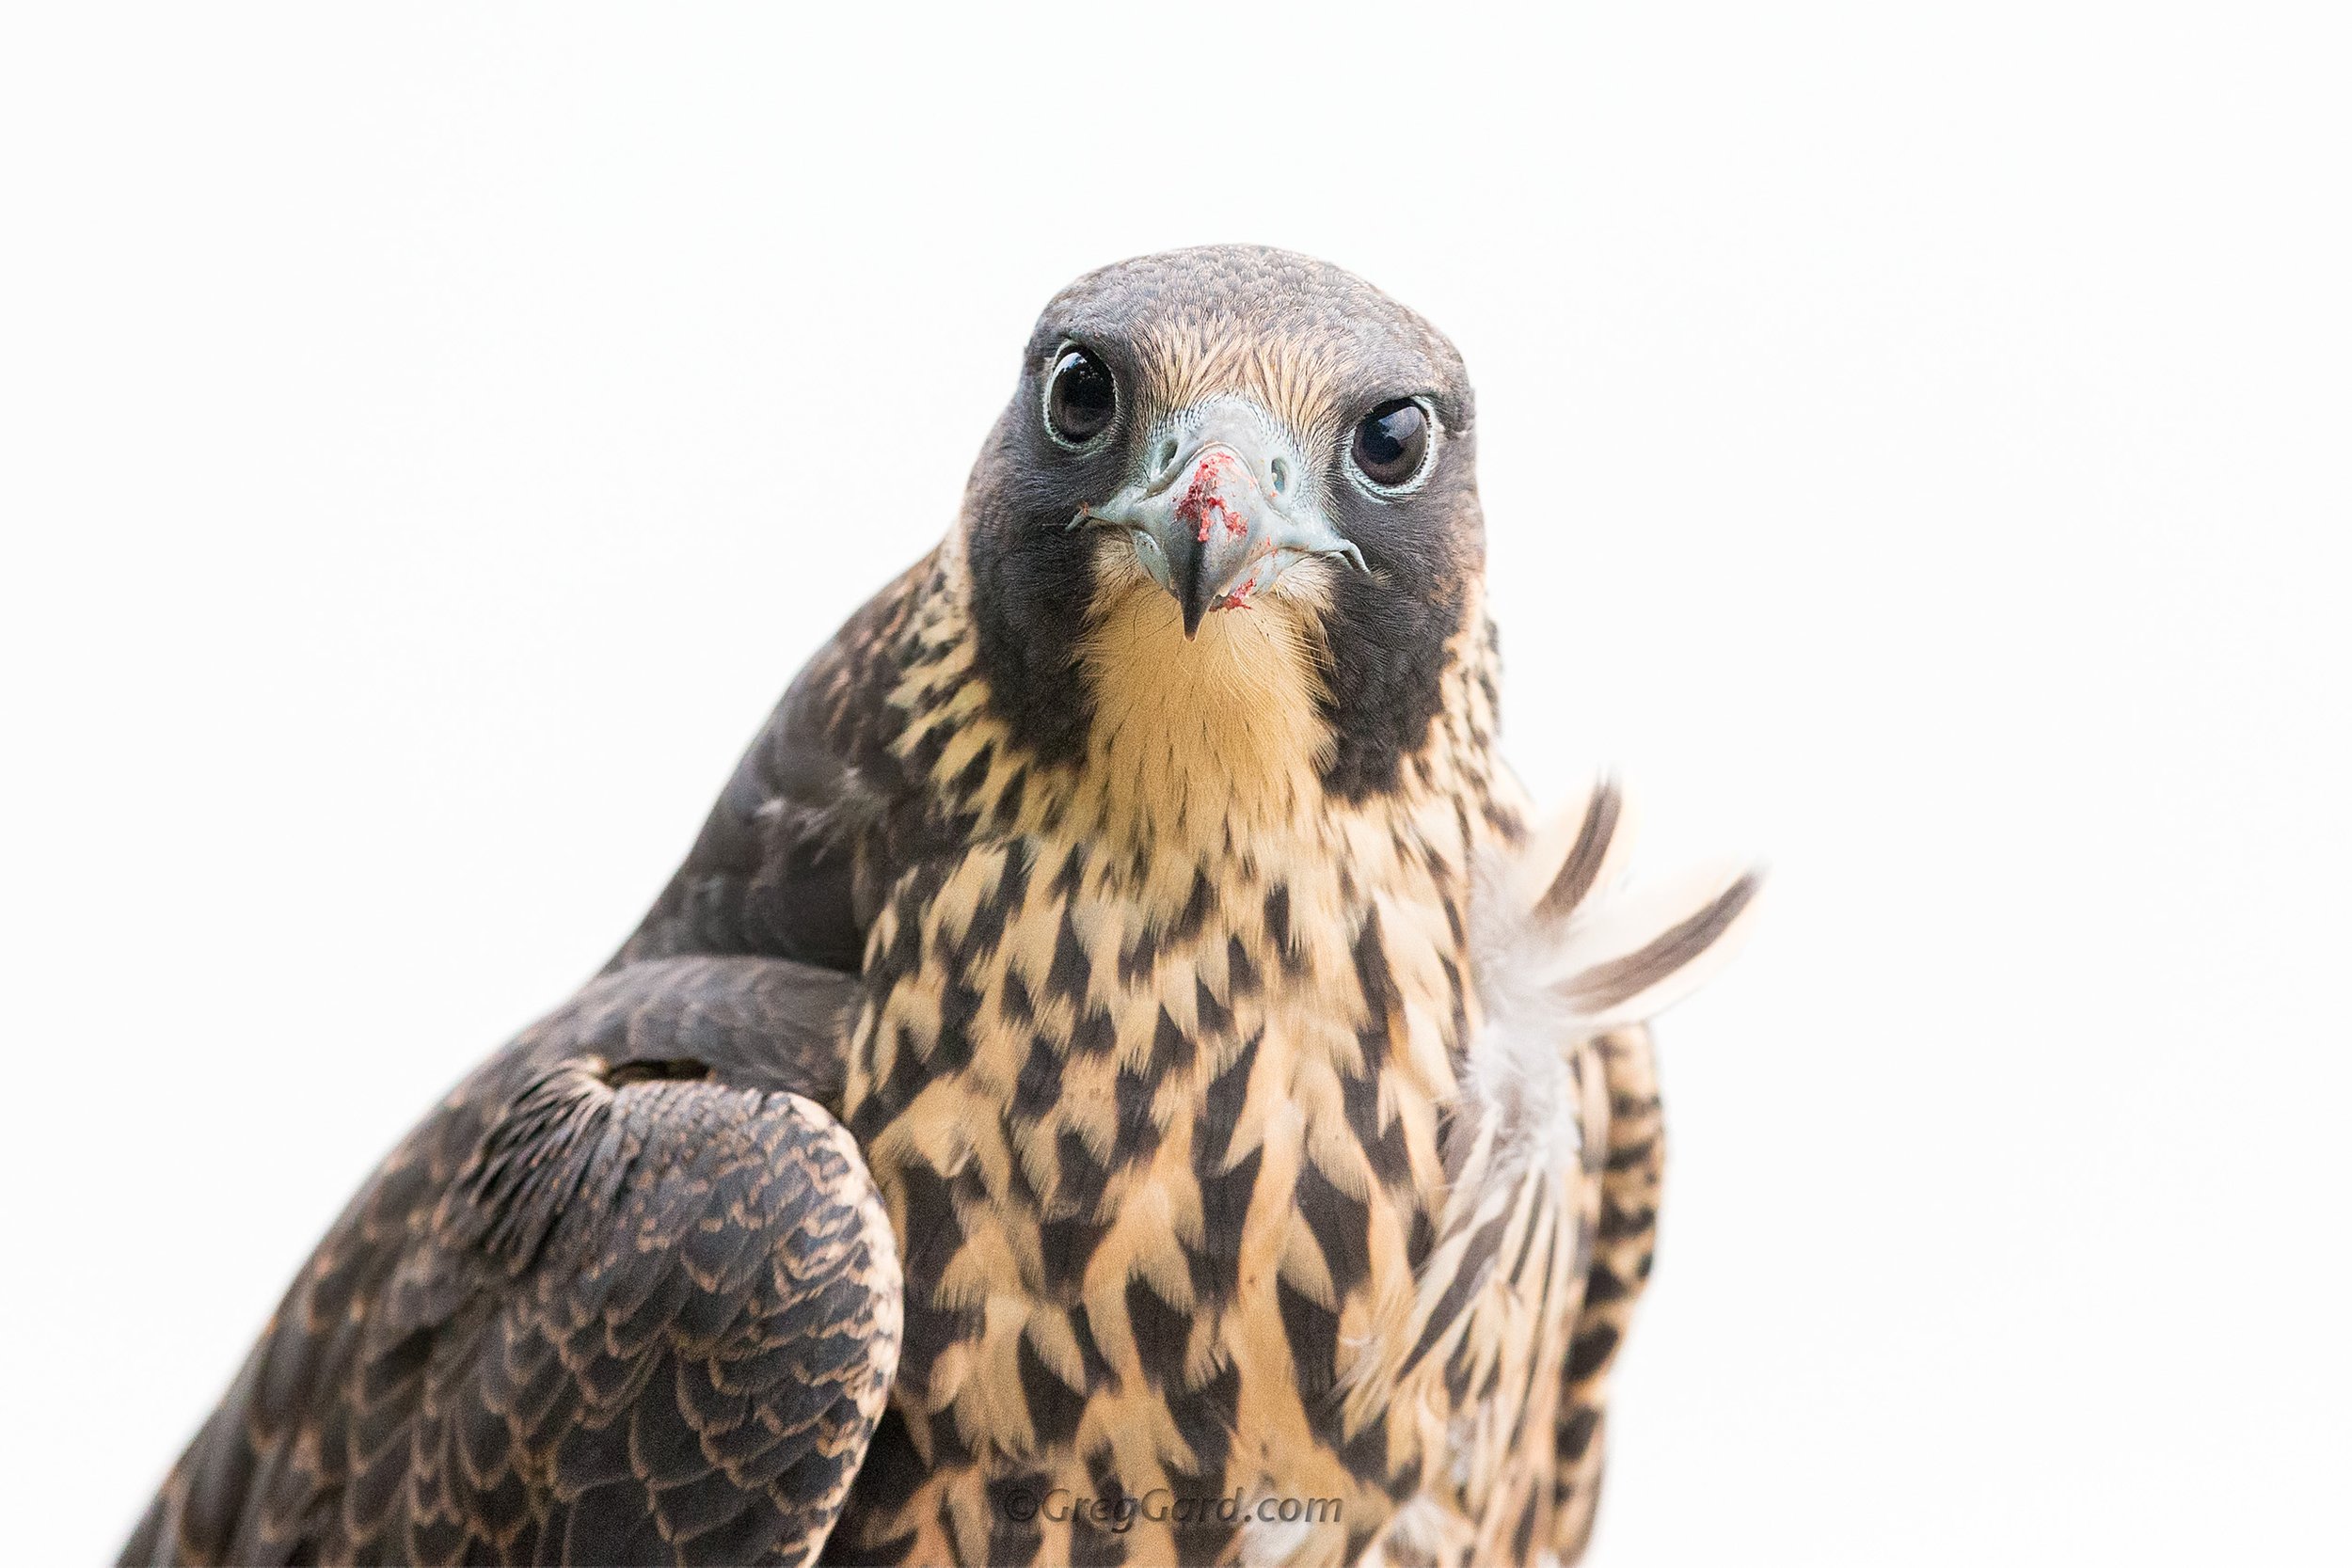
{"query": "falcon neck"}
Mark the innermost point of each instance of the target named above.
(1202, 747)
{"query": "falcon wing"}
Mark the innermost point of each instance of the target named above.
(627, 1295)
(1633, 1170)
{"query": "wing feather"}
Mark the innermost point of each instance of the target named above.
(629, 1295)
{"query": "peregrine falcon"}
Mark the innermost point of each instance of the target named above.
(1124, 1074)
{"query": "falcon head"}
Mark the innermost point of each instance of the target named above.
(1242, 461)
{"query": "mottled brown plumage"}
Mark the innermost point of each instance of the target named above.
(1253, 1087)
(626, 1295)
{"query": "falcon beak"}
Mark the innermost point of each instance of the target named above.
(1224, 510)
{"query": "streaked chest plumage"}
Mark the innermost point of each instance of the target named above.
(1160, 1115)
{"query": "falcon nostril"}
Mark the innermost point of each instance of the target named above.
(1162, 456)
(1282, 472)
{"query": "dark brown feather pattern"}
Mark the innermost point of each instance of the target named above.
(567, 1321)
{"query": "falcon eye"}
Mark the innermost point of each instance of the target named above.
(1080, 397)
(1392, 443)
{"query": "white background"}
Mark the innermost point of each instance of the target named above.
(1915, 447)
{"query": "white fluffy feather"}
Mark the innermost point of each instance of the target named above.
(1563, 947)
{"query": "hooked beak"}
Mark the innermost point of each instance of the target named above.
(1224, 514)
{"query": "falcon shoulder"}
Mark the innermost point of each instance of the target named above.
(627, 1294)
(794, 857)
